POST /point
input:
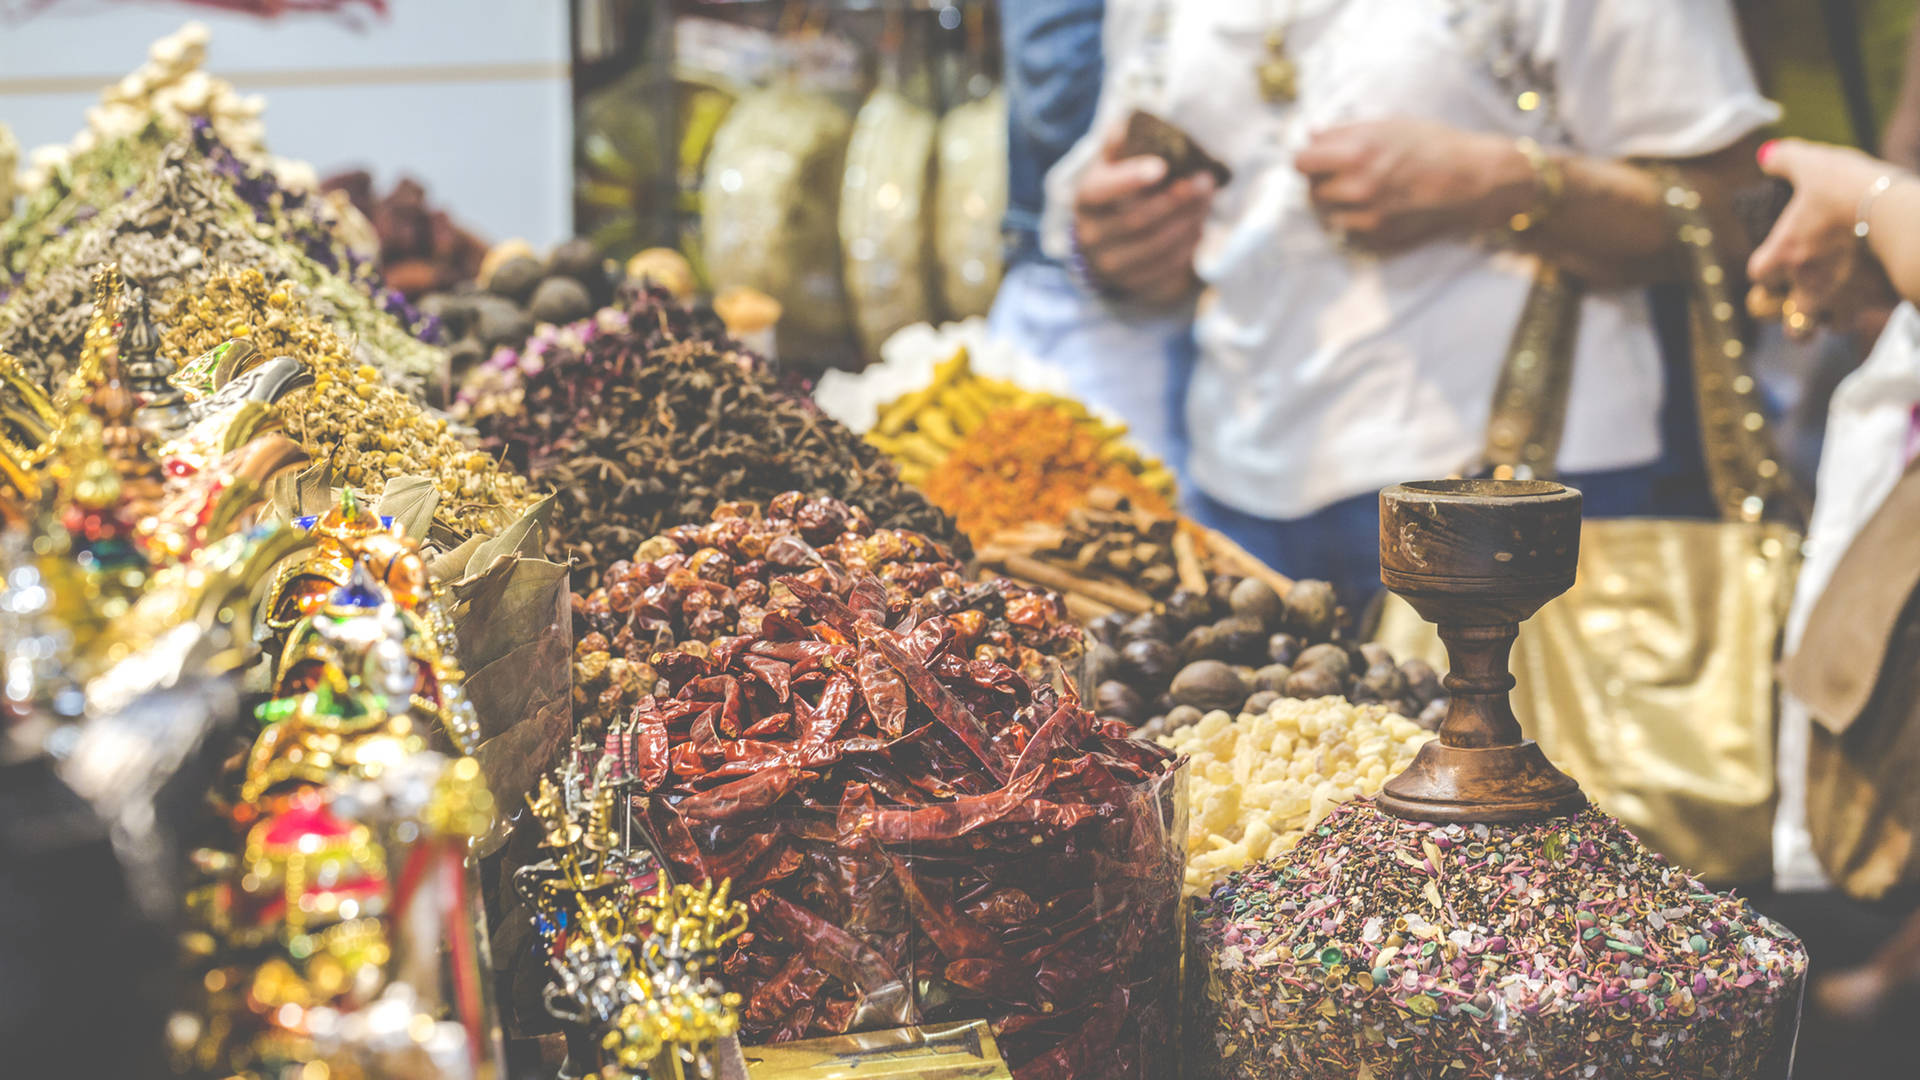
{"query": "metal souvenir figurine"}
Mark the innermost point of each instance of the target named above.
(633, 955)
(351, 540)
(349, 534)
(163, 405)
(345, 929)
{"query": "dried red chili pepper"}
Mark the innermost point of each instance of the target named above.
(924, 832)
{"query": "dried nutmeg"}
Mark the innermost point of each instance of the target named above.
(1209, 685)
(516, 278)
(1255, 599)
(560, 300)
(1150, 658)
(1311, 610)
(1326, 657)
(1189, 608)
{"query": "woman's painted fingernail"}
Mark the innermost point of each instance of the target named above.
(1766, 150)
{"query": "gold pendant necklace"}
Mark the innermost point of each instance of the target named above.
(1279, 78)
(1278, 75)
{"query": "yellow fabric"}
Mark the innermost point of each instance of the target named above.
(1650, 682)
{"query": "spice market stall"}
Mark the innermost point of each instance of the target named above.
(545, 681)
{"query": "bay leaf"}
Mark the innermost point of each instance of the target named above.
(526, 537)
(510, 602)
(410, 502)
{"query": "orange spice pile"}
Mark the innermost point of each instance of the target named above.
(1031, 464)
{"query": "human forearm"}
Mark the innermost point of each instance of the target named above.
(1900, 143)
(1894, 220)
(1610, 224)
(1394, 184)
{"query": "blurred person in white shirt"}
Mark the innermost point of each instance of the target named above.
(1399, 168)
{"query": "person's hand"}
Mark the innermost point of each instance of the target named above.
(1812, 267)
(1136, 232)
(1393, 184)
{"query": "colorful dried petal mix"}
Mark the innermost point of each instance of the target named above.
(1561, 948)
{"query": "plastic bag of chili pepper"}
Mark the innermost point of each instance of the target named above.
(920, 836)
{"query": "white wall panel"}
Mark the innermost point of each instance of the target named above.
(469, 96)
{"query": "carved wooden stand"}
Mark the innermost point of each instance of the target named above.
(1476, 558)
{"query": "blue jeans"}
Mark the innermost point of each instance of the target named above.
(1341, 543)
(1053, 65)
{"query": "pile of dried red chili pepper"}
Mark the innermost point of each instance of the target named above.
(920, 835)
(695, 584)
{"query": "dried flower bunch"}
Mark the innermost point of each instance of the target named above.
(1390, 948)
(648, 416)
(350, 417)
(1034, 464)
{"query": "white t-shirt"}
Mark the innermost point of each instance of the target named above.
(1326, 373)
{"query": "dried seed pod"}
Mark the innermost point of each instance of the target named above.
(1423, 682)
(1311, 610)
(1315, 682)
(1120, 701)
(1325, 656)
(1283, 648)
(1272, 677)
(1150, 659)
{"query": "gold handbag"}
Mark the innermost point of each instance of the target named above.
(1651, 680)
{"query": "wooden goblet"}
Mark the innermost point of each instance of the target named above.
(1476, 558)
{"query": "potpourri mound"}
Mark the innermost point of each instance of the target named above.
(199, 209)
(1400, 949)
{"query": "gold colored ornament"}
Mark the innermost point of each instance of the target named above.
(352, 890)
(1277, 73)
(348, 534)
(663, 1013)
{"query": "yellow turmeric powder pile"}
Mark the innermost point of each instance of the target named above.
(1031, 464)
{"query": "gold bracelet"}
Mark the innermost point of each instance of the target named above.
(1549, 184)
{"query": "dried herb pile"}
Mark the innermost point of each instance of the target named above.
(1388, 948)
(199, 208)
(919, 836)
(1033, 464)
(648, 417)
(696, 584)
